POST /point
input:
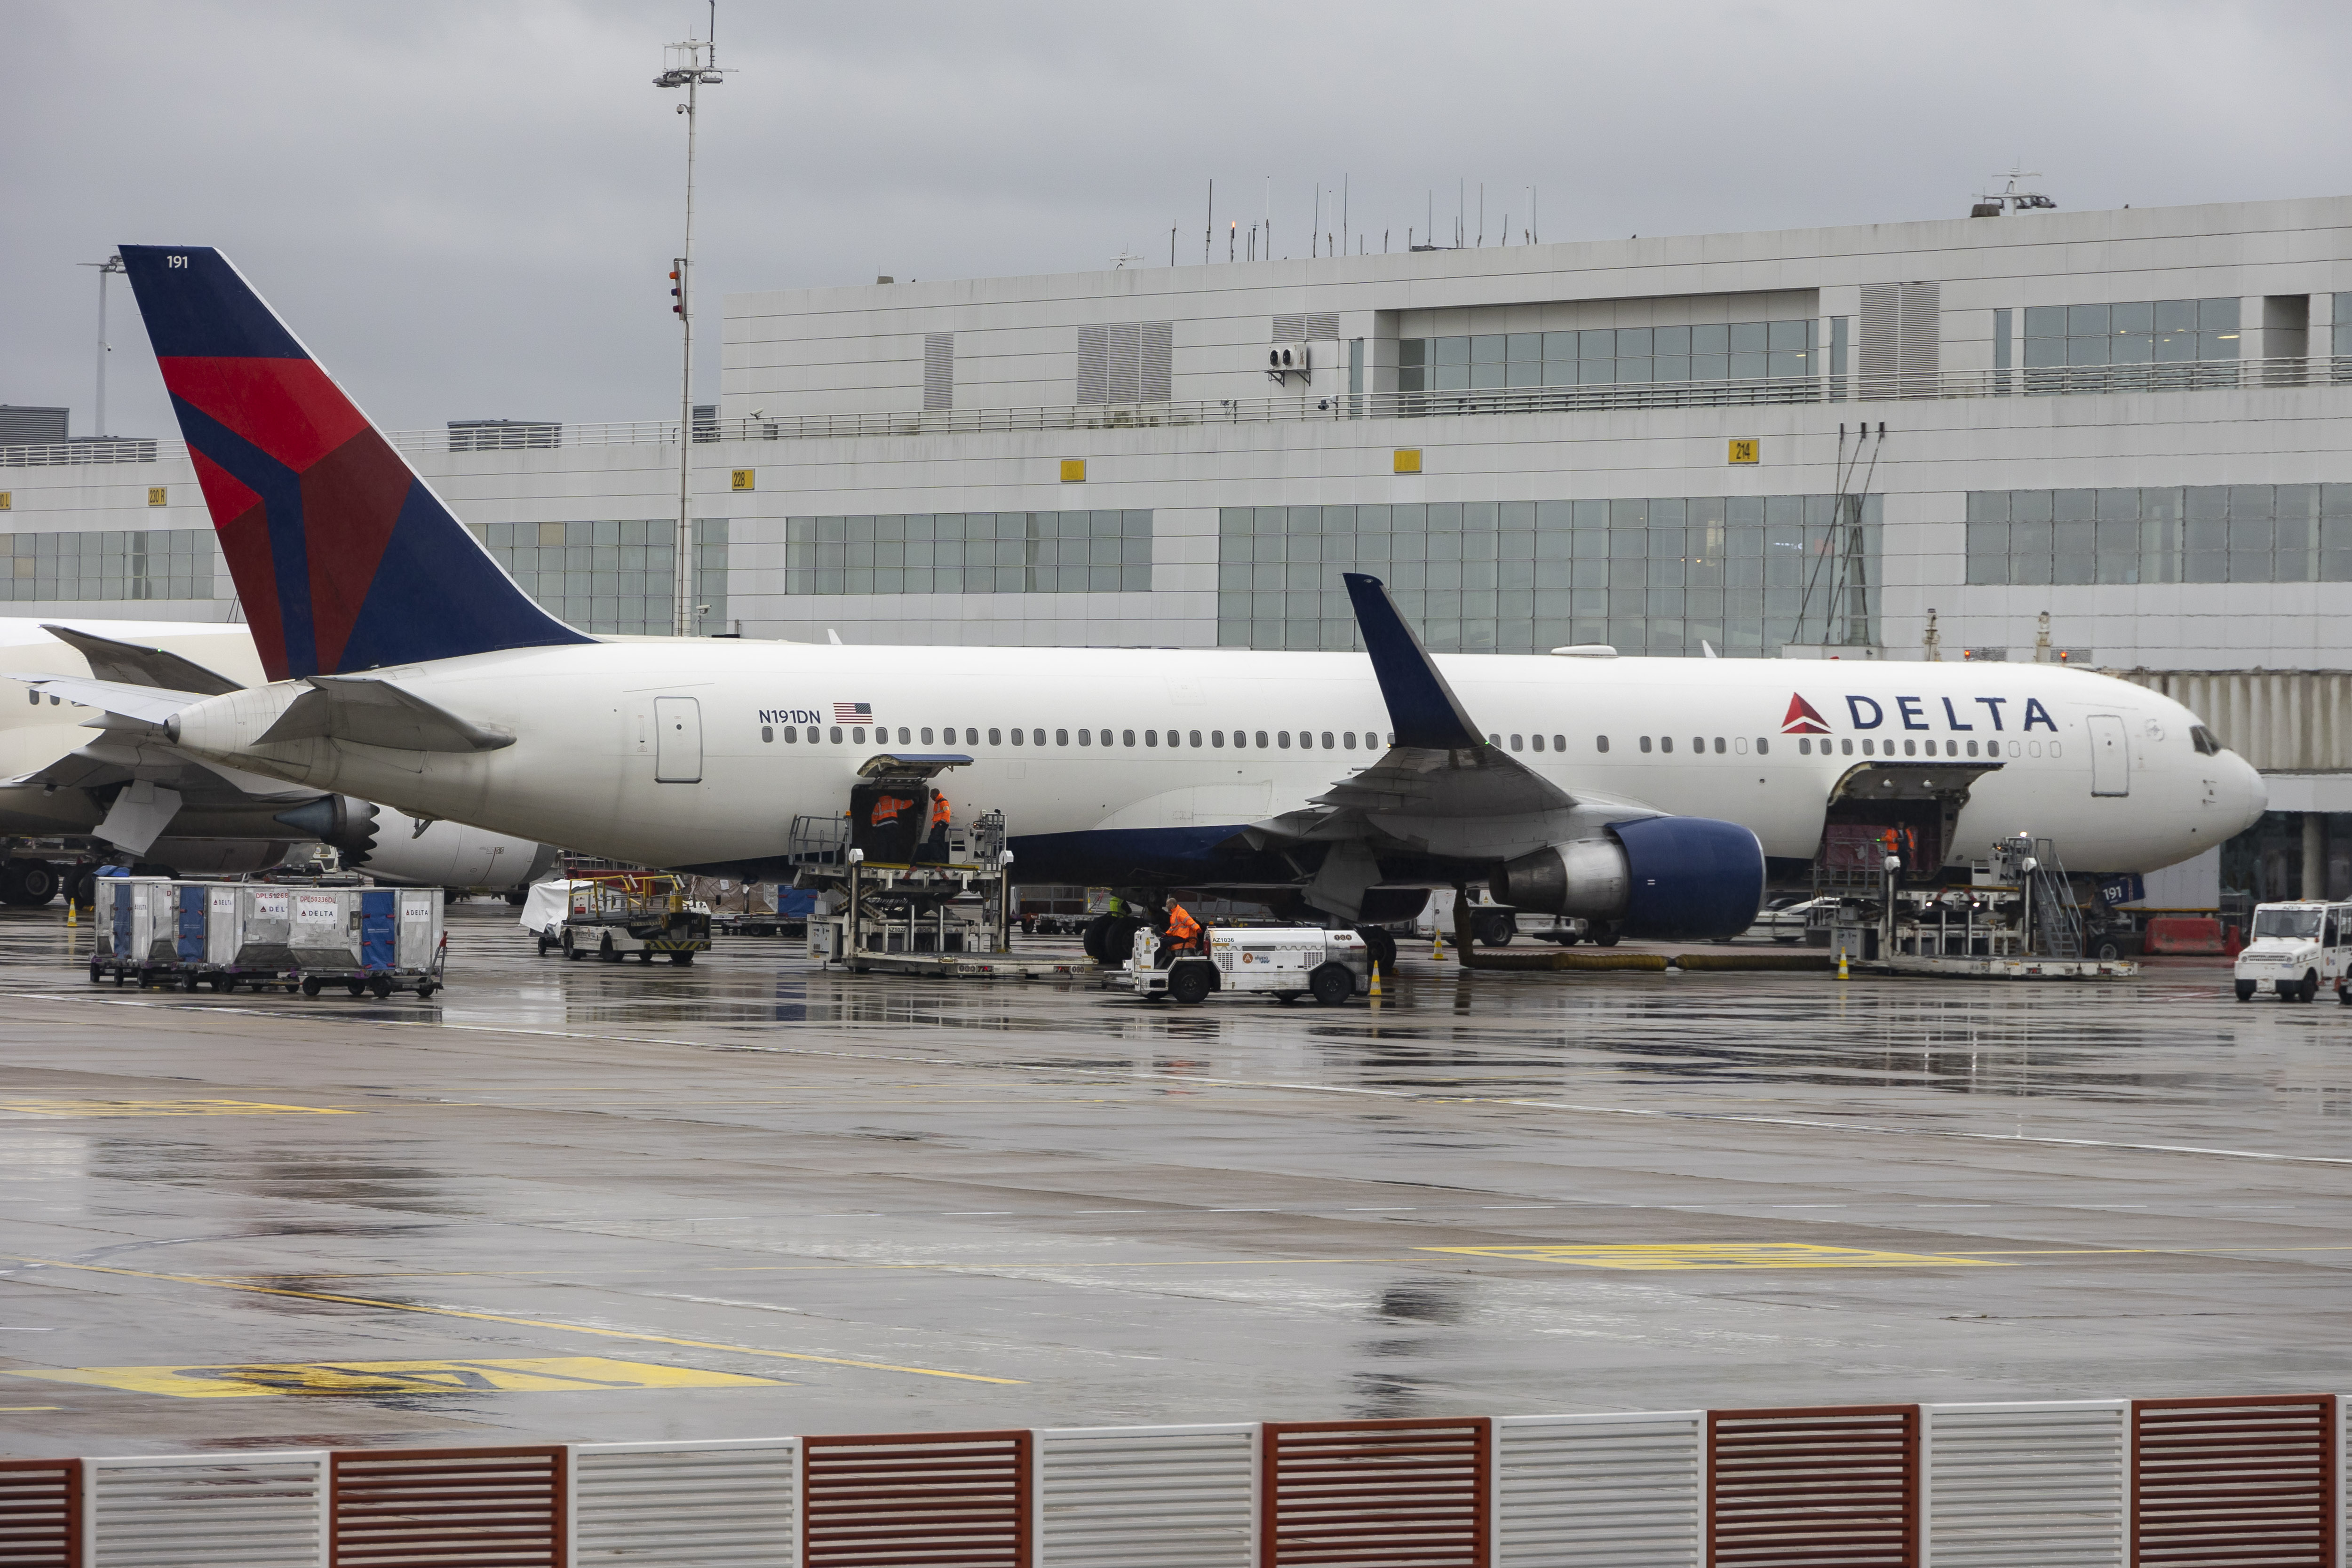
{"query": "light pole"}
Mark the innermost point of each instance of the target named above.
(109, 267)
(696, 67)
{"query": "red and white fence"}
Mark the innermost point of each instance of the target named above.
(2253, 1482)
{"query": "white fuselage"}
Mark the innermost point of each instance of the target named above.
(601, 764)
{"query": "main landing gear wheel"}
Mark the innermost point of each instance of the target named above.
(1189, 984)
(1331, 985)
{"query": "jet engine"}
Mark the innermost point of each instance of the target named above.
(1678, 878)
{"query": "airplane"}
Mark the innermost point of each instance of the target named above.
(137, 799)
(1649, 796)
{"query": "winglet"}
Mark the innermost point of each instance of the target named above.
(1421, 705)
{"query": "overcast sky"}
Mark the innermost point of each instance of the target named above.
(468, 210)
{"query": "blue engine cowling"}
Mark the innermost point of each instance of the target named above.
(1676, 878)
(1689, 877)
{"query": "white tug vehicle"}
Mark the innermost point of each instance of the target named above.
(1283, 962)
(2297, 949)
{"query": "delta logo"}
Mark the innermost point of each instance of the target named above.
(1803, 719)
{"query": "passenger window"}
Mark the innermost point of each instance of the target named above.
(1665, 742)
(1216, 738)
(1846, 746)
(1698, 743)
(1152, 737)
(1762, 746)
(1804, 747)
(1600, 743)
(1261, 740)
(1085, 737)
(906, 736)
(1645, 742)
(1718, 745)
(1327, 740)
(857, 735)
(768, 733)
(1038, 736)
(1018, 737)
(1348, 739)
(1126, 737)
(995, 738)
(836, 734)
(812, 735)
(1281, 738)
(927, 734)
(1494, 740)
(1196, 737)
(1866, 745)
(1536, 742)
(1061, 737)
(1514, 743)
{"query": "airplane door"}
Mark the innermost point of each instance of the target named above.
(2110, 755)
(677, 740)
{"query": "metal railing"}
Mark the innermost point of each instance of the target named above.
(2186, 375)
(2051, 1484)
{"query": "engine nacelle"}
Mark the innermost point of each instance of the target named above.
(1678, 878)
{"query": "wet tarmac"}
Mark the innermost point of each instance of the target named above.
(592, 1202)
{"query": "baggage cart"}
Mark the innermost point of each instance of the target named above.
(369, 940)
(137, 920)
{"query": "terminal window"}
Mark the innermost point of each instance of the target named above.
(2150, 343)
(2196, 534)
(1746, 574)
(970, 553)
(111, 563)
(610, 576)
(1735, 350)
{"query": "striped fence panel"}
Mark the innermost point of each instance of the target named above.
(447, 1508)
(687, 1505)
(1601, 1492)
(1372, 1494)
(1834, 1484)
(1146, 1497)
(2026, 1486)
(253, 1511)
(2250, 1482)
(41, 1522)
(930, 1498)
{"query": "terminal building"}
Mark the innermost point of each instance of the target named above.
(2120, 439)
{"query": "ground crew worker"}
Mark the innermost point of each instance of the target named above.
(940, 816)
(1182, 935)
(886, 809)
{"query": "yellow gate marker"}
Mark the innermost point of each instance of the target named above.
(1376, 979)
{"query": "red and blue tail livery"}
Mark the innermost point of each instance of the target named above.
(344, 558)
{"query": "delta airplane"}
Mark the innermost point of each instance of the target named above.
(1654, 796)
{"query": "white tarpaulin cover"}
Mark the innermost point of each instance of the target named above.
(549, 902)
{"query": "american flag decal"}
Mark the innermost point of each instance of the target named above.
(853, 712)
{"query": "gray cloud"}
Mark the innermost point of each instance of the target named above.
(467, 210)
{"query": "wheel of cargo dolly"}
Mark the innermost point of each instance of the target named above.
(381, 986)
(310, 986)
(356, 987)
(542, 947)
(96, 972)
(425, 989)
(1188, 983)
(1331, 985)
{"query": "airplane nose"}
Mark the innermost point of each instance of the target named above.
(2253, 792)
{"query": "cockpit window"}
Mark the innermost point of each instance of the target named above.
(2302, 923)
(2203, 740)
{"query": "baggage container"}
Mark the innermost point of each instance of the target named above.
(266, 935)
(137, 921)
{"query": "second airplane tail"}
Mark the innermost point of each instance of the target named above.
(343, 558)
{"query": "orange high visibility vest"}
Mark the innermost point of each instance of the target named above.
(887, 807)
(1182, 927)
(939, 813)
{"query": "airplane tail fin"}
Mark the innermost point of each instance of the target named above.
(344, 558)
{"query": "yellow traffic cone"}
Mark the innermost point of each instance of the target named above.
(1437, 948)
(70, 908)
(1376, 982)
(1843, 974)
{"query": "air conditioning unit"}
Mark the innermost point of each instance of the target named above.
(1286, 360)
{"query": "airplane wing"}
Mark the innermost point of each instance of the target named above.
(1440, 766)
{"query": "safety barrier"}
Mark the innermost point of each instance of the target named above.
(2254, 1482)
